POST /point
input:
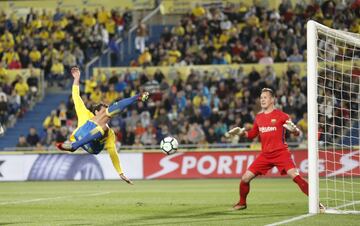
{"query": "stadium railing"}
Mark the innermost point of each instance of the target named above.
(104, 59)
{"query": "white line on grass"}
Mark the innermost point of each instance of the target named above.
(336, 210)
(292, 219)
(53, 198)
(312, 214)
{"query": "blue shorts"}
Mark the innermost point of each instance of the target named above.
(93, 147)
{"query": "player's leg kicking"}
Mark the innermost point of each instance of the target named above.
(101, 119)
(260, 166)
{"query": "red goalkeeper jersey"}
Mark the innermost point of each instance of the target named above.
(270, 129)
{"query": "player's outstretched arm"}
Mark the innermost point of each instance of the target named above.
(111, 149)
(236, 131)
(290, 126)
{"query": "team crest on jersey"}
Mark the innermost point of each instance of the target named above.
(273, 121)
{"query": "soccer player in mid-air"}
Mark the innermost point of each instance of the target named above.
(93, 133)
(269, 125)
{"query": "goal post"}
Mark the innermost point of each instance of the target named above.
(333, 72)
(312, 117)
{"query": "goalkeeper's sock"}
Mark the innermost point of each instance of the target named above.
(244, 191)
(94, 134)
(303, 185)
(119, 106)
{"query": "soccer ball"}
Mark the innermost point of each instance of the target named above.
(169, 145)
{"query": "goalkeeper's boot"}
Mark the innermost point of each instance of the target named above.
(321, 208)
(239, 206)
(144, 97)
(65, 147)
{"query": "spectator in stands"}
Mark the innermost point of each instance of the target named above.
(15, 63)
(141, 35)
(79, 54)
(22, 88)
(33, 83)
(148, 137)
(49, 138)
(52, 121)
(62, 135)
(68, 60)
(22, 142)
(303, 124)
(195, 134)
(14, 101)
(10, 55)
(198, 11)
(57, 73)
(32, 138)
(145, 58)
(35, 57)
(129, 135)
(4, 108)
(295, 56)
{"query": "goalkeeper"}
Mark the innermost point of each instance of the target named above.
(93, 133)
(270, 125)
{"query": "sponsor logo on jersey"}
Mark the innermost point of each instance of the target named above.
(266, 129)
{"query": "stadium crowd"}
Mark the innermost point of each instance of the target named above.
(202, 108)
(241, 34)
(17, 97)
(53, 42)
(196, 111)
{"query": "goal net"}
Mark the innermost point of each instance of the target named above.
(333, 68)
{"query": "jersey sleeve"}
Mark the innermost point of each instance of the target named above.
(82, 112)
(254, 131)
(111, 149)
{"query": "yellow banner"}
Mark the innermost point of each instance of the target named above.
(22, 7)
(185, 6)
(218, 71)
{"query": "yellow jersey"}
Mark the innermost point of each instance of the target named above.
(83, 115)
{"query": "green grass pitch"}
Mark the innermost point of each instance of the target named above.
(156, 202)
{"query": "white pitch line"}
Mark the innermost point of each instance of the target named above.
(336, 210)
(292, 219)
(53, 198)
(312, 214)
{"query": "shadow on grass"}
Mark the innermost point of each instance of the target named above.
(192, 216)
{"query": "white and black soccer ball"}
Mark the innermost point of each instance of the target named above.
(169, 145)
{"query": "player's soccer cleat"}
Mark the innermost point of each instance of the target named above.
(321, 208)
(144, 97)
(64, 147)
(239, 206)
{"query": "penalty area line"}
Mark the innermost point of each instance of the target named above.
(292, 219)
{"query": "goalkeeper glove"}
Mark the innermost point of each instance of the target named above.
(289, 125)
(235, 131)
